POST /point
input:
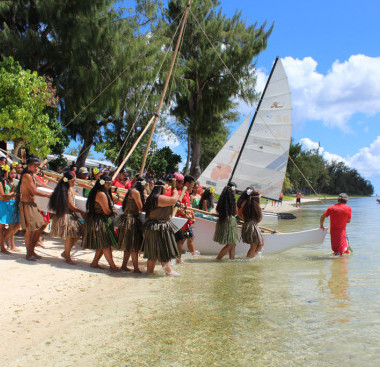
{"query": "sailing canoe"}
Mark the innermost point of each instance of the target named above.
(204, 229)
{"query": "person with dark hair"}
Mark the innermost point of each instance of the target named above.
(12, 227)
(99, 232)
(7, 211)
(206, 202)
(186, 232)
(226, 227)
(130, 232)
(159, 243)
(195, 197)
(244, 196)
(250, 212)
(340, 214)
(31, 219)
(66, 222)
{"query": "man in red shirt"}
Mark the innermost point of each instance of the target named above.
(188, 182)
(340, 215)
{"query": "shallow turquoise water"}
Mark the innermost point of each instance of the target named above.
(298, 308)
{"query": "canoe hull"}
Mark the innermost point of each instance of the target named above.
(273, 243)
(80, 203)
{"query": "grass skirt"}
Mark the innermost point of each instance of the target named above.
(99, 232)
(159, 243)
(7, 212)
(67, 226)
(130, 233)
(250, 233)
(226, 232)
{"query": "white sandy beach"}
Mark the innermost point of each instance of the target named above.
(54, 313)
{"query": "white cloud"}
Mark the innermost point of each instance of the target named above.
(349, 87)
(308, 144)
(165, 138)
(366, 161)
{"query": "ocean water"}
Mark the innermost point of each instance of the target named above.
(302, 307)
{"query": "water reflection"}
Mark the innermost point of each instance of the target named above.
(338, 281)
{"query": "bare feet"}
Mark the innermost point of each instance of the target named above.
(30, 258)
(125, 268)
(96, 266)
(114, 269)
(5, 251)
(137, 271)
(69, 261)
(39, 243)
(36, 256)
(15, 249)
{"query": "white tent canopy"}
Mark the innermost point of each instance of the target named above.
(89, 161)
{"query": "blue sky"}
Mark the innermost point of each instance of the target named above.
(330, 50)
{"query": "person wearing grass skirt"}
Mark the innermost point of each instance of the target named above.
(226, 227)
(66, 222)
(250, 212)
(130, 228)
(99, 232)
(159, 243)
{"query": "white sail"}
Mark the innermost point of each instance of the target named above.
(264, 155)
(218, 172)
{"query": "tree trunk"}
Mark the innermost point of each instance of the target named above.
(195, 169)
(186, 169)
(17, 147)
(87, 143)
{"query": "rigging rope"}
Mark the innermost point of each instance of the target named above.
(243, 92)
(151, 87)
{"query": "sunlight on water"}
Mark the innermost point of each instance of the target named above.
(298, 308)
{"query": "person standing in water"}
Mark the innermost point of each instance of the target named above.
(250, 212)
(340, 214)
(226, 227)
(66, 221)
(31, 219)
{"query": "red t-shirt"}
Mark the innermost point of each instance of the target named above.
(339, 215)
(117, 183)
(129, 184)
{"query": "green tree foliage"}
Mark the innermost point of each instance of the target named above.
(25, 117)
(93, 50)
(205, 90)
(327, 178)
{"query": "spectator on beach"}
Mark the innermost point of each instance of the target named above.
(7, 212)
(226, 227)
(195, 196)
(186, 231)
(280, 198)
(206, 202)
(340, 214)
(298, 199)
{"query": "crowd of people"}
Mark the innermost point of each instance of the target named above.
(158, 239)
